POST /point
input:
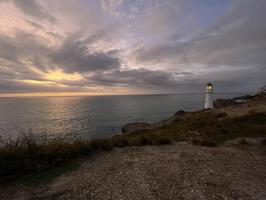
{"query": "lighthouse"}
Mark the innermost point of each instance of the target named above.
(208, 98)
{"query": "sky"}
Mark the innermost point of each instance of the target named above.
(109, 47)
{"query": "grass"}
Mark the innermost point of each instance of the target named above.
(27, 155)
(40, 177)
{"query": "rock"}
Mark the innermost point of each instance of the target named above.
(240, 100)
(180, 112)
(194, 133)
(263, 90)
(137, 126)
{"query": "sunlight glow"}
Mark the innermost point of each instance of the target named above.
(59, 75)
(44, 83)
(35, 82)
(92, 92)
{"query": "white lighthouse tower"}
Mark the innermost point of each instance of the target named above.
(208, 99)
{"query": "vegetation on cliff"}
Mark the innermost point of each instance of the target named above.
(207, 127)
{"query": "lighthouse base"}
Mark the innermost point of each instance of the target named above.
(208, 101)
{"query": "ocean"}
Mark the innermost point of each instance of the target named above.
(90, 116)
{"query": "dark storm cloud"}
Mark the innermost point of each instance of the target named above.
(137, 77)
(158, 81)
(75, 56)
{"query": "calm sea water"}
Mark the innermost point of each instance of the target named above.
(95, 116)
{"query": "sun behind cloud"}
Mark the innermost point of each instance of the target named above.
(59, 75)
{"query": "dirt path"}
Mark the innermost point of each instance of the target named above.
(176, 171)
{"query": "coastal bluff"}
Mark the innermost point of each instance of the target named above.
(219, 104)
(212, 154)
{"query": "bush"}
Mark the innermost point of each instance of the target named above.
(163, 141)
(221, 115)
(242, 141)
(144, 140)
(204, 142)
(196, 141)
(107, 144)
(101, 144)
(208, 143)
(120, 142)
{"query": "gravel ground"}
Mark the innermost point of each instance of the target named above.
(176, 171)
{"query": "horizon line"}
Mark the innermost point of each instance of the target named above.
(18, 95)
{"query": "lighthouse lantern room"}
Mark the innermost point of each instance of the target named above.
(209, 98)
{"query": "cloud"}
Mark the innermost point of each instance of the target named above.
(235, 40)
(173, 46)
(21, 44)
(158, 53)
(34, 9)
(111, 6)
(75, 56)
(27, 56)
(137, 77)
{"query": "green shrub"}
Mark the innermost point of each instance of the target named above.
(95, 145)
(242, 141)
(144, 140)
(101, 144)
(204, 142)
(107, 144)
(163, 140)
(221, 115)
(208, 143)
(120, 141)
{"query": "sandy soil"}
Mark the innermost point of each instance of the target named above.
(175, 171)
